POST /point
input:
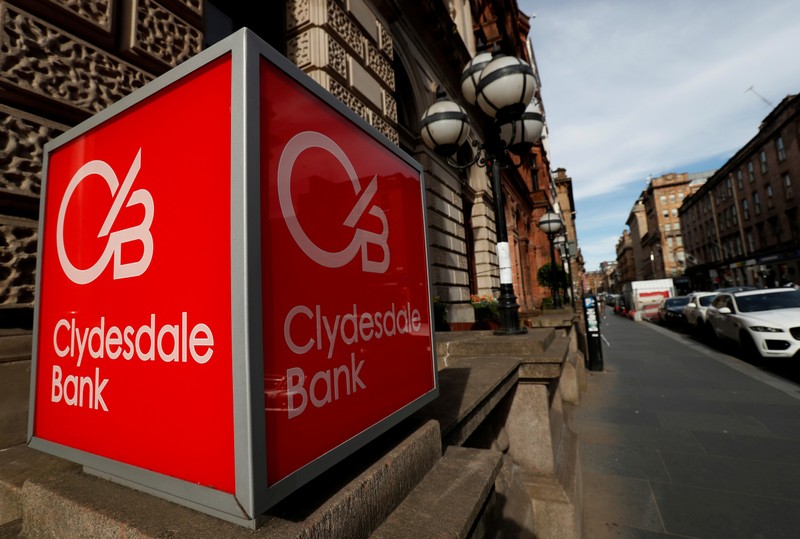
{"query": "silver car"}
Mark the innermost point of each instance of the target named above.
(695, 310)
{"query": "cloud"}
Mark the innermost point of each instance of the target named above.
(633, 88)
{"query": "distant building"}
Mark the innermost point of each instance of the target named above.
(653, 248)
(609, 269)
(741, 227)
(593, 282)
(626, 268)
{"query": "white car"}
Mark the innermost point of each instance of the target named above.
(695, 310)
(766, 322)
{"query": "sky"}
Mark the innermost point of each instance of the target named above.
(638, 88)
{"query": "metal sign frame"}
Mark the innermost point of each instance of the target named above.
(253, 496)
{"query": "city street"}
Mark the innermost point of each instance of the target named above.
(682, 439)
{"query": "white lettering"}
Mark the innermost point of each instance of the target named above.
(126, 335)
(57, 392)
(79, 391)
(169, 343)
(150, 333)
(287, 330)
(349, 328)
(168, 330)
(326, 386)
(295, 380)
(99, 333)
(113, 339)
(60, 352)
(196, 340)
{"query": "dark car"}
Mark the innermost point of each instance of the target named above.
(670, 312)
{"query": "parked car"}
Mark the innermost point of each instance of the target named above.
(695, 310)
(670, 311)
(764, 322)
(736, 289)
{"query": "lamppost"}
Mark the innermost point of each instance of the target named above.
(551, 224)
(503, 87)
(563, 249)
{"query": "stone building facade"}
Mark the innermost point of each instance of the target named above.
(637, 225)
(65, 60)
(626, 268)
(654, 246)
(741, 227)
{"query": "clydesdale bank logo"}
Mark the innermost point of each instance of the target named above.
(121, 194)
(361, 238)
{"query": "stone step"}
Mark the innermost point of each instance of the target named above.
(348, 501)
(449, 501)
(17, 465)
(486, 343)
(15, 381)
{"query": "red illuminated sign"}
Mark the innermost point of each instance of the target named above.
(179, 276)
(348, 330)
(129, 337)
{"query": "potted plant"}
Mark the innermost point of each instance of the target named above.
(487, 311)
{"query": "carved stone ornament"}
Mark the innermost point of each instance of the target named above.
(22, 139)
(39, 58)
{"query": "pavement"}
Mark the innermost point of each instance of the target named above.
(680, 440)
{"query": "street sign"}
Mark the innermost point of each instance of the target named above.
(233, 286)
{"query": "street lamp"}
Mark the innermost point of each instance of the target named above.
(563, 249)
(503, 87)
(550, 223)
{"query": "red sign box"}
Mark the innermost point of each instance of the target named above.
(233, 286)
(348, 330)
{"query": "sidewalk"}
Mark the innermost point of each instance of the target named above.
(678, 440)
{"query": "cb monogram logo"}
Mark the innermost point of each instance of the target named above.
(117, 239)
(361, 238)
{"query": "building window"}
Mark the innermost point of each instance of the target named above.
(739, 182)
(751, 175)
(769, 196)
(665, 213)
(787, 186)
(780, 148)
(672, 199)
(762, 157)
(775, 226)
(751, 241)
(729, 185)
(674, 212)
(794, 225)
(756, 203)
(677, 226)
(667, 227)
(663, 200)
(745, 209)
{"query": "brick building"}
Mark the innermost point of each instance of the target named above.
(656, 239)
(741, 227)
(626, 269)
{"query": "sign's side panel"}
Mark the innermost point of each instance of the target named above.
(134, 320)
(346, 300)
